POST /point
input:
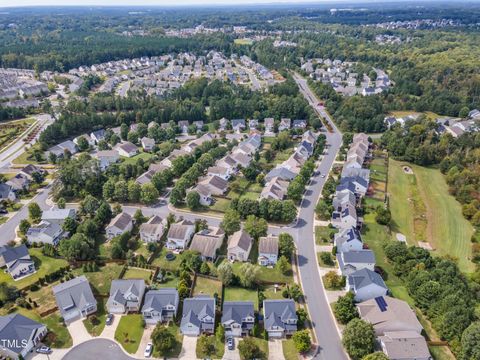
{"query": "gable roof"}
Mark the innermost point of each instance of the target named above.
(236, 311)
(121, 289)
(365, 277)
(17, 328)
(75, 293)
(268, 245)
(197, 309)
(207, 241)
(240, 239)
(156, 300)
(405, 345)
(121, 221)
(10, 253)
(179, 230)
(277, 312)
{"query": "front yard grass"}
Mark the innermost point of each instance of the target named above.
(95, 323)
(44, 265)
(129, 332)
(206, 286)
(323, 263)
(102, 279)
(218, 345)
(265, 274)
(176, 349)
(241, 294)
(137, 273)
(324, 235)
(289, 350)
(262, 345)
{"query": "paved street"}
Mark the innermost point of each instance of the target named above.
(97, 349)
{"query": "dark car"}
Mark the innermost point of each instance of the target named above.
(109, 319)
(230, 343)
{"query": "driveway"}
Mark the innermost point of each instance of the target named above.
(146, 338)
(97, 349)
(189, 347)
(232, 354)
(78, 332)
(275, 350)
(109, 330)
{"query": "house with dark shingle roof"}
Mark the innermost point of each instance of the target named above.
(238, 124)
(119, 224)
(17, 260)
(351, 261)
(160, 305)
(404, 345)
(75, 299)
(6, 192)
(239, 246)
(268, 250)
(198, 316)
(280, 317)
(366, 284)
(207, 242)
(238, 317)
(19, 335)
(179, 235)
(126, 295)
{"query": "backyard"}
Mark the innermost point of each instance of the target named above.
(207, 286)
(129, 332)
(241, 294)
(137, 273)
(102, 279)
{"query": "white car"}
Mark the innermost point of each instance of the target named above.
(148, 350)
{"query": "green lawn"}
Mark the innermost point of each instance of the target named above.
(169, 281)
(243, 42)
(129, 332)
(163, 263)
(324, 235)
(177, 348)
(322, 263)
(133, 160)
(44, 265)
(241, 294)
(221, 205)
(204, 286)
(271, 294)
(289, 350)
(95, 323)
(136, 273)
(265, 274)
(102, 279)
(262, 344)
(423, 210)
(219, 349)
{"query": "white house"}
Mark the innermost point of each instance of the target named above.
(179, 235)
(119, 225)
(147, 143)
(107, 157)
(268, 250)
(239, 246)
(152, 230)
(126, 149)
(366, 284)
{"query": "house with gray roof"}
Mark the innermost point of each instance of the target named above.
(152, 230)
(19, 335)
(179, 235)
(207, 242)
(59, 150)
(17, 261)
(238, 124)
(147, 143)
(58, 214)
(366, 284)
(6, 192)
(280, 317)
(126, 149)
(126, 295)
(285, 124)
(351, 261)
(299, 124)
(98, 135)
(239, 246)
(75, 299)
(404, 345)
(46, 232)
(30, 169)
(282, 173)
(238, 317)
(120, 224)
(268, 250)
(160, 305)
(198, 316)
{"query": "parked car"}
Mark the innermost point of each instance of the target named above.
(44, 350)
(148, 350)
(3, 211)
(230, 343)
(323, 175)
(109, 320)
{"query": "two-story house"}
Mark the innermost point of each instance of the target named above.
(198, 316)
(239, 246)
(179, 235)
(268, 250)
(160, 305)
(125, 295)
(75, 299)
(238, 317)
(280, 317)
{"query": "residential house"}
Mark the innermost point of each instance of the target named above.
(346, 218)
(223, 122)
(207, 242)
(299, 124)
(238, 125)
(220, 171)
(183, 125)
(147, 143)
(60, 149)
(126, 149)
(179, 235)
(348, 239)
(241, 159)
(45, 232)
(198, 316)
(120, 224)
(238, 318)
(343, 198)
(217, 185)
(388, 314)
(152, 230)
(474, 114)
(75, 299)
(98, 135)
(275, 189)
(19, 336)
(268, 250)
(205, 194)
(17, 261)
(280, 172)
(199, 125)
(239, 246)
(351, 261)
(126, 295)
(280, 318)
(269, 124)
(228, 162)
(253, 124)
(160, 306)
(285, 124)
(145, 178)
(366, 284)
(87, 138)
(173, 155)
(31, 169)
(404, 345)
(106, 157)
(19, 182)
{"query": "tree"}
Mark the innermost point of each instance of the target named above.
(323, 210)
(193, 200)
(24, 226)
(230, 222)
(69, 225)
(225, 273)
(286, 245)
(358, 339)
(108, 190)
(302, 340)
(138, 217)
(149, 194)
(376, 356)
(333, 281)
(295, 190)
(89, 205)
(134, 191)
(248, 275)
(205, 269)
(163, 340)
(121, 191)
(326, 258)
(383, 216)
(249, 350)
(78, 247)
(256, 227)
(82, 143)
(220, 334)
(283, 265)
(61, 203)
(345, 309)
(205, 346)
(471, 342)
(34, 212)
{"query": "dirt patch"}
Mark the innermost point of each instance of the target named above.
(407, 170)
(425, 245)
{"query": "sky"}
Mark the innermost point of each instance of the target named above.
(15, 3)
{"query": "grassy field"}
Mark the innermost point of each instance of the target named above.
(271, 294)
(10, 131)
(219, 349)
(133, 160)
(243, 42)
(265, 274)
(323, 234)
(423, 210)
(289, 350)
(44, 265)
(241, 294)
(102, 279)
(95, 323)
(205, 286)
(262, 344)
(136, 273)
(176, 349)
(129, 332)
(163, 263)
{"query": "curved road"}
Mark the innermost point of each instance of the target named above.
(97, 349)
